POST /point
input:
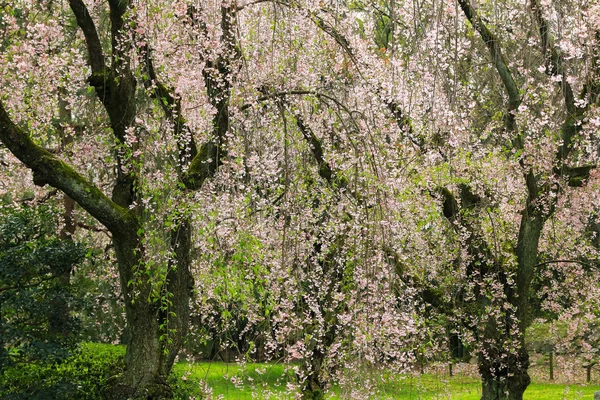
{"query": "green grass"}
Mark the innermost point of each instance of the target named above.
(82, 376)
(232, 381)
(268, 381)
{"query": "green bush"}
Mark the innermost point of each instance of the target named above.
(37, 302)
(83, 376)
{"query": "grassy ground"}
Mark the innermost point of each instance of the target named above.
(270, 381)
(82, 376)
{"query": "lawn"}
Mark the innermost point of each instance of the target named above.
(270, 381)
(82, 376)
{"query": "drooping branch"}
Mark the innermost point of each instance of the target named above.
(592, 87)
(319, 21)
(554, 60)
(402, 118)
(294, 92)
(331, 31)
(48, 169)
(480, 259)
(588, 264)
(316, 148)
(314, 143)
(404, 123)
(553, 63)
(554, 67)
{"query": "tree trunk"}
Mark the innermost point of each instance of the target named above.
(179, 284)
(157, 327)
(144, 353)
(532, 224)
(504, 372)
(144, 378)
(314, 388)
(504, 378)
(588, 373)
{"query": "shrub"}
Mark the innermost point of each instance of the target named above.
(37, 303)
(83, 376)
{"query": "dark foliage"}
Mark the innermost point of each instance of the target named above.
(37, 304)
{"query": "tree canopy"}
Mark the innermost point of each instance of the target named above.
(330, 183)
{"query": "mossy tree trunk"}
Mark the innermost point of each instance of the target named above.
(156, 331)
(543, 190)
(502, 358)
(157, 328)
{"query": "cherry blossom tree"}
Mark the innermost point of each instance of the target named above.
(324, 169)
(526, 145)
(142, 117)
(156, 299)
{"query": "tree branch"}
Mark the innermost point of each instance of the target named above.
(85, 22)
(217, 78)
(315, 18)
(572, 125)
(45, 278)
(48, 169)
(203, 166)
(585, 264)
(576, 175)
(554, 60)
(315, 145)
(171, 106)
(405, 124)
(450, 207)
(331, 31)
(493, 46)
(402, 120)
(325, 170)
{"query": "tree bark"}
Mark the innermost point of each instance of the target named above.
(180, 284)
(157, 325)
(588, 372)
(143, 349)
(504, 370)
(504, 378)
(532, 224)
